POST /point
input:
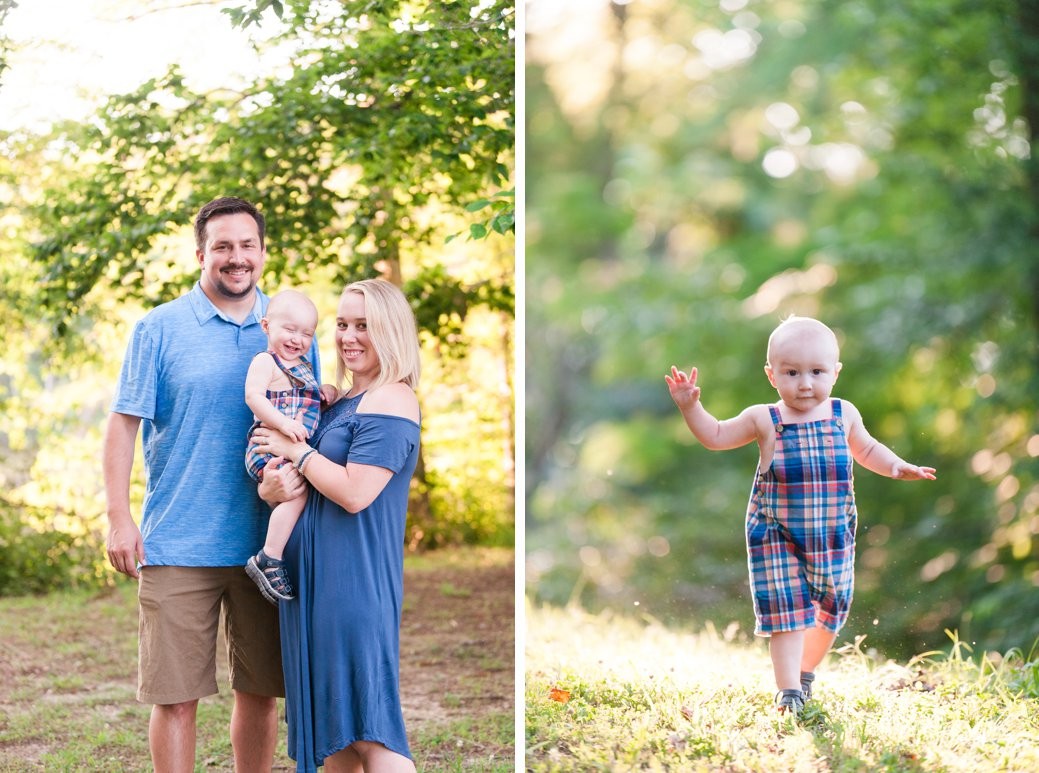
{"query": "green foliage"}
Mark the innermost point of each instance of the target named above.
(660, 232)
(243, 16)
(6, 6)
(502, 218)
(390, 112)
(442, 303)
(475, 514)
(38, 559)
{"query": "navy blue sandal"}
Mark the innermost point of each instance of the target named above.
(270, 577)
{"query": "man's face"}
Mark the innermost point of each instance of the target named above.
(232, 257)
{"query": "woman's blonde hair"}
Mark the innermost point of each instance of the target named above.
(392, 331)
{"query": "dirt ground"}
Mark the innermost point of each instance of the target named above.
(458, 640)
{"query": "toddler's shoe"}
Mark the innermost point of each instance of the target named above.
(807, 677)
(270, 577)
(790, 702)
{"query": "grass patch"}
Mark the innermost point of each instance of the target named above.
(449, 589)
(68, 676)
(471, 744)
(605, 693)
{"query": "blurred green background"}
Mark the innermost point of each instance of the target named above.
(697, 171)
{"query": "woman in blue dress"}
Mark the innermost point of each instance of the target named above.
(340, 636)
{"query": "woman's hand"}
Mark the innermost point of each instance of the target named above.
(281, 482)
(270, 441)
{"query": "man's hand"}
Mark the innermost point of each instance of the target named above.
(683, 388)
(125, 547)
(281, 482)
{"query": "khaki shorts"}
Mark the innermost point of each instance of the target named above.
(180, 610)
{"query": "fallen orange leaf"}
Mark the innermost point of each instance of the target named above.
(559, 694)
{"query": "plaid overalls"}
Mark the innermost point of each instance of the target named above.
(801, 523)
(305, 394)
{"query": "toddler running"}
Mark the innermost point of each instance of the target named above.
(283, 393)
(801, 517)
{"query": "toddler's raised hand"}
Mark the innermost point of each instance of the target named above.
(907, 471)
(683, 388)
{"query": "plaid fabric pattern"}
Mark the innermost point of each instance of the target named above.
(801, 523)
(305, 395)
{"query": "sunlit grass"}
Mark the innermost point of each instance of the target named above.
(610, 693)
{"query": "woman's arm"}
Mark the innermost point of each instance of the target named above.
(353, 486)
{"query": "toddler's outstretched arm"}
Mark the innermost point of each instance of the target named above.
(877, 457)
(713, 434)
(905, 471)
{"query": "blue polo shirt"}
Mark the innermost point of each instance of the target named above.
(184, 376)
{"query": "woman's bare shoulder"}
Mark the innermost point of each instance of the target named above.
(392, 400)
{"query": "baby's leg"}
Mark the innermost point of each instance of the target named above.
(817, 645)
(787, 650)
(283, 519)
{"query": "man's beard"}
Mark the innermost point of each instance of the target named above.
(227, 292)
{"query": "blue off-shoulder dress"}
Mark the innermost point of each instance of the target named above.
(340, 636)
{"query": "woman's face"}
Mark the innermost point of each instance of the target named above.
(353, 345)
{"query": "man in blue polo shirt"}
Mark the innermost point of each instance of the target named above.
(183, 378)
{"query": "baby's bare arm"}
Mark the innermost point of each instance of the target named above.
(261, 371)
(874, 455)
(712, 433)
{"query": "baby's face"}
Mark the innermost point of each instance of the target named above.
(290, 331)
(803, 367)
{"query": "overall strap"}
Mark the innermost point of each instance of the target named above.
(297, 381)
(777, 420)
(835, 405)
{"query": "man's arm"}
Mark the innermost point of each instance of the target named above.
(125, 546)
